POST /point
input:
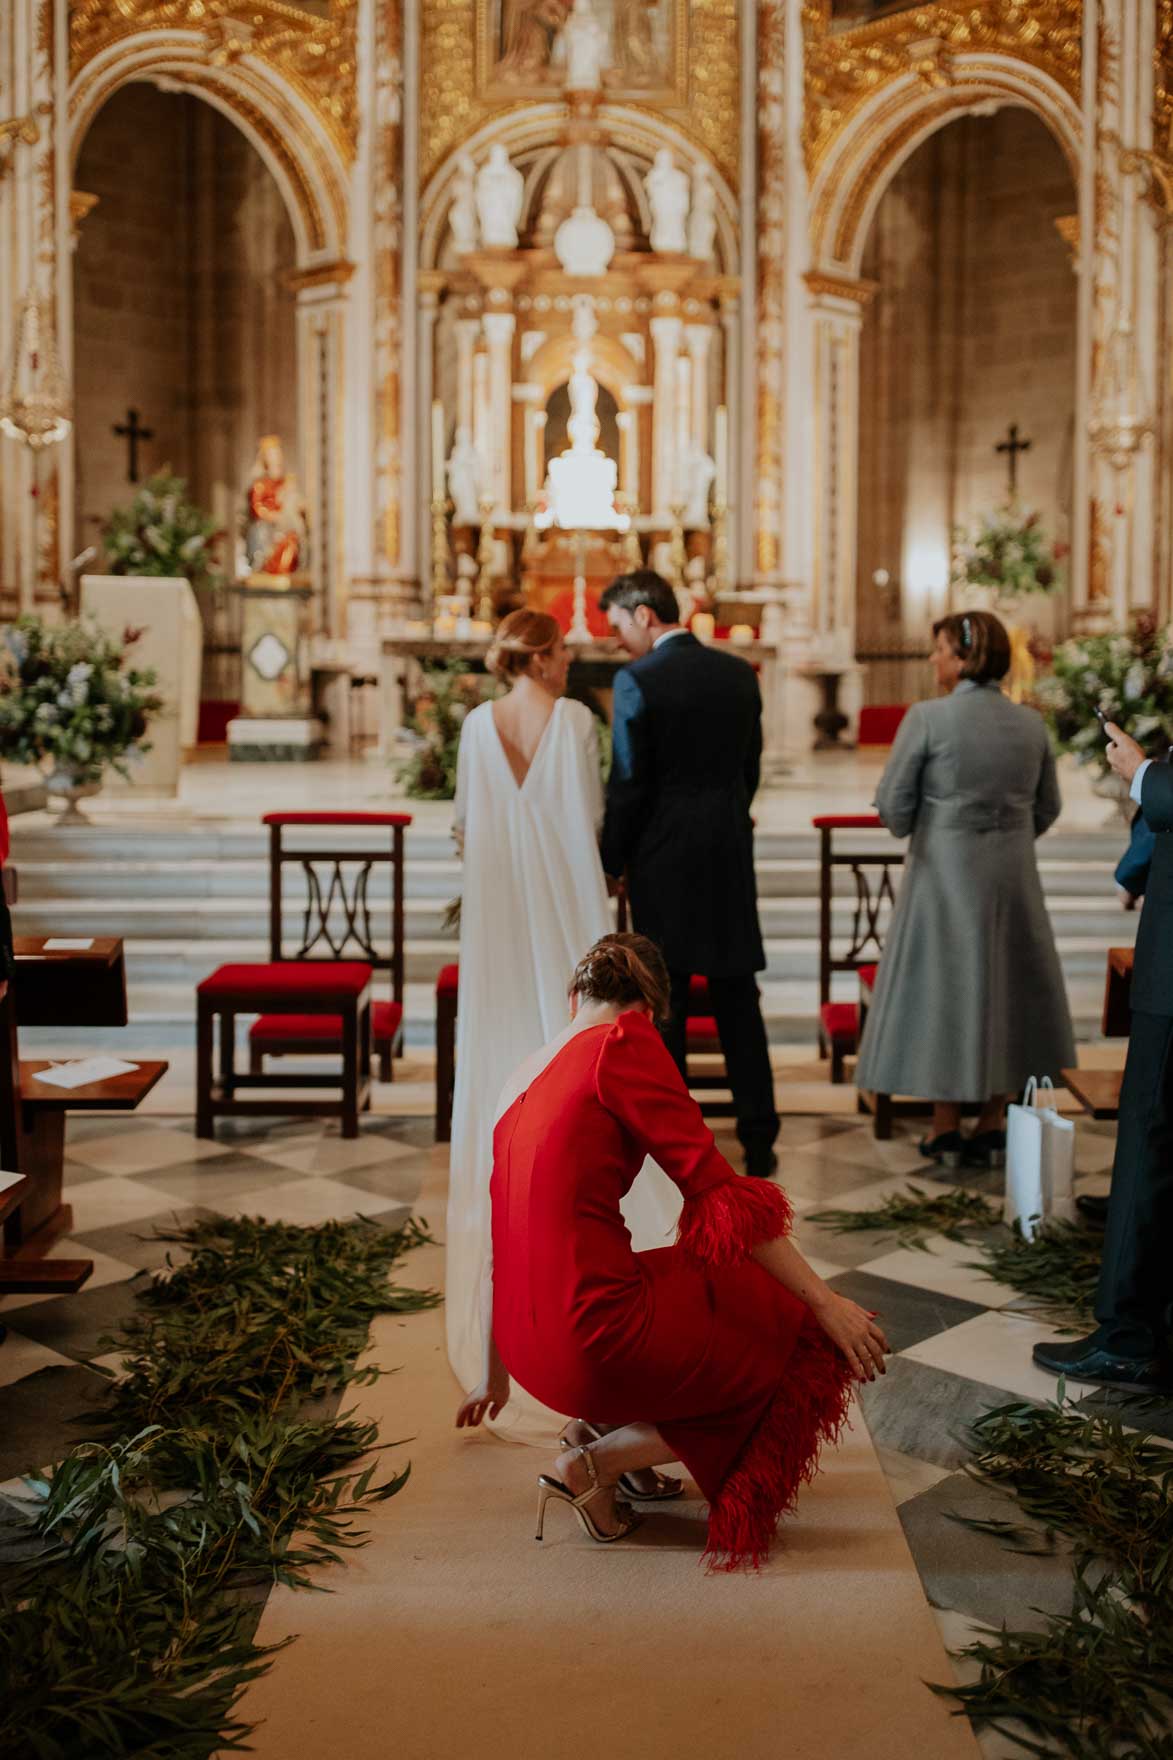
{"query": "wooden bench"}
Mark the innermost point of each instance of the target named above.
(840, 1023)
(1097, 1090)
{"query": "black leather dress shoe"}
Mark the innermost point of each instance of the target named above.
(1085, 1360)
(762, 1164)
(1093, 1209)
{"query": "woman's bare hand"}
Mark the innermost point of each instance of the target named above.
(489, 1399)
(855, 1332)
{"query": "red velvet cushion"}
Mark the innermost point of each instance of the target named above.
(840, 1022)
(879, 723)
(848, 822)
(320, 980)
(698, 993)
(386, 1018)
(701, 1027)
(867, 976)
(448, 983)
(336, 819)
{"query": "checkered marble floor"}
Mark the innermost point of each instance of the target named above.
(961, 1343)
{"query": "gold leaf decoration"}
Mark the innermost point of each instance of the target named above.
(844, 67)
(315, 54)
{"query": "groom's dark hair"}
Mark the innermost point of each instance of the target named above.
(643, 587)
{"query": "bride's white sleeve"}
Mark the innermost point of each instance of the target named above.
(486, 1308)
(594, 780)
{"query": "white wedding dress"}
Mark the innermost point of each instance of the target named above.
(533, 901)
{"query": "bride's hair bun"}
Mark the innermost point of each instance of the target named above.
(519, 637)
(624, 968)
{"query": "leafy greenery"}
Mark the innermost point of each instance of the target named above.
(67, 696)
(1058, 1269)
(162, 533)
(912, 1214)
(1097, 1682)
(429, 774)
(1008, 551)
(128, 1630)
(1129, 677)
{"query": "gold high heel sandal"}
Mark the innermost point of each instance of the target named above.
(549, 1487)
(666, 1487)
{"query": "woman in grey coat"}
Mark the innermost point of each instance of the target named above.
(969, 999)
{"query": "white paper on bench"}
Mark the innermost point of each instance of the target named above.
(9, 1179)
(67, 944)
(86, 1069)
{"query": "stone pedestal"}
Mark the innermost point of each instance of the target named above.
(172, 645)
(276, 721)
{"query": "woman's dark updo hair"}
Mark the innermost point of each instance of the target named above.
(979, 640)
(624, 969)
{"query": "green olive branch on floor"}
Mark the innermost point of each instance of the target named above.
(138, 1566)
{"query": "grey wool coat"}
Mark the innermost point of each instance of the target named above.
(969, 999)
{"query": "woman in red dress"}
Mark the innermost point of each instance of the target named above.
(725, 1351)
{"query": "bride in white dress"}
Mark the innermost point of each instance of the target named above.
(529, 803)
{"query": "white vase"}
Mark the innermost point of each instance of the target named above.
(62, 781)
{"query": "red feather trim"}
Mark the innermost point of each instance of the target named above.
(809, 1409)
(720, 1226)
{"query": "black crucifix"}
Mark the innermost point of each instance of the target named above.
(1012, 446)
(130, 431)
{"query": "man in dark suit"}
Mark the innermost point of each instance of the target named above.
(687, 746)
(1130, 1346)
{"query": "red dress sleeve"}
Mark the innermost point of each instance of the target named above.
(725, 1213)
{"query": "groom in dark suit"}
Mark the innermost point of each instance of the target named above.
(687, 745)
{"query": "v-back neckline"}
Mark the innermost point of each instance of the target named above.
(538, 749)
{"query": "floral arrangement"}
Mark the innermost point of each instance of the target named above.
(1129, 677)
(68, 699)
(162, 533)
(1008, 552)
(429, 774)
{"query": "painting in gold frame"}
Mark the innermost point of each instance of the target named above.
(520, 52)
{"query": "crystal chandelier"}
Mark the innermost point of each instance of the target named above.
(1119, 426)
(35, 405)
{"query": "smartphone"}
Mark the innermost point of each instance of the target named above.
(1101, 718)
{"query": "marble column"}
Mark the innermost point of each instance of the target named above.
(499, 328)
(666, 332)
(837, 311)
(468, 331)
(427, 308)
(321, 329)
(731, 326)
(699, 340)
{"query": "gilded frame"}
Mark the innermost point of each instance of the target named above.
(491, 89)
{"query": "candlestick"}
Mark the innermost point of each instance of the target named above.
(485, 550)
(721, 452)
(579, 630)
(439, 546)
(677, 554)
(437, 448)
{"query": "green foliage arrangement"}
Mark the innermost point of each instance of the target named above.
(1097, 1682)
(68, 698)
(162, 533)
(127, 1628)
(1008, 551)
(1129, 677)
(914, 1214)
(429, 774)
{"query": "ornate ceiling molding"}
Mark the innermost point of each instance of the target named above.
(316, 55)
(844, 68)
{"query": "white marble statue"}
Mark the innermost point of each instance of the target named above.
(668, 193)
(500, 191)
(462, 216)
(696, 474)
(464, 480)
(702, 219)
(586, 46)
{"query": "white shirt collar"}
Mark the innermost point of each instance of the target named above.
(668, 634)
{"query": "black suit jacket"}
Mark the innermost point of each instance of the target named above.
(1152, 975)
(687, 746)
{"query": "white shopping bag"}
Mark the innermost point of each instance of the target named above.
(1040, 1162)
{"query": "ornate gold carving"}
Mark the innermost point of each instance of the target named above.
(316, 55)
(387, 152)
(1067, 226)
(703, 99)
(845, 67)
(1163, 85)
(320, 275)
(81, 204)
(771, 287)
(855, 288)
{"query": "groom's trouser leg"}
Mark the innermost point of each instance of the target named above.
(675, 1030)
(742, 1031)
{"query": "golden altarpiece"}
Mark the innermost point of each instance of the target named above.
(725, 162)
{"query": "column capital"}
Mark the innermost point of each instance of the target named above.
(831, 291)
(498, 327)
(320, 282)
(698, 338)
(665, 332)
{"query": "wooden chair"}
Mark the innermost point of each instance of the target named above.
(840, 1022)
(447, 993)
(337, 917)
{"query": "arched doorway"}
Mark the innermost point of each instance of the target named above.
(971, 326)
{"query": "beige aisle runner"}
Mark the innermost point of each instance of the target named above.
(454, 1633)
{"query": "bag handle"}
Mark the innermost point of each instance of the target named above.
(1030, 1092)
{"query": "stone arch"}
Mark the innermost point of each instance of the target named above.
(538, 129)
(611, 365)
(281, 126)
(898, 119)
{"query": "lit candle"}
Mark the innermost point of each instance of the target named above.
(742, 634)
(444, 627)
(721, 450)
(703, 626)
(437, 449)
